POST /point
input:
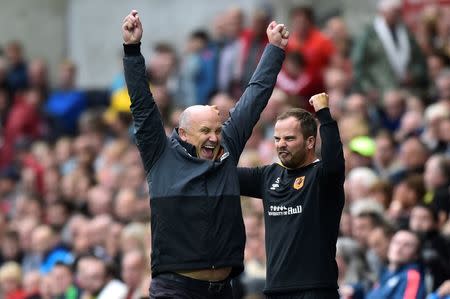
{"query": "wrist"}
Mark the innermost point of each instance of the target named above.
(320, 107)
(277, 45)
(132, 49)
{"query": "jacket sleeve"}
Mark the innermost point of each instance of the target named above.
(250, 181)
(238, 128)
(333, 163)
(148, 128)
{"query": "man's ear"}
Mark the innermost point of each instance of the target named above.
(183, 134)
(310, 142)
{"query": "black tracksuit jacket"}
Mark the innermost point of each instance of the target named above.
(196, 215)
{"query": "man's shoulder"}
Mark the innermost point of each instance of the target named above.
(272, 169)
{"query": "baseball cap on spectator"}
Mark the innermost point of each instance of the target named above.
(362, 145)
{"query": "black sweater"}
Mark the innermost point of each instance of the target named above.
(196, 215)
(302, 210)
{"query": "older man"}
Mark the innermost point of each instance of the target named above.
(197, 229)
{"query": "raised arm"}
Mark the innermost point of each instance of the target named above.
(331, 150)
(148, 128)
(244, 116)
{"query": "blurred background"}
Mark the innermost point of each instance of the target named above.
(80, 30)
(74, 204)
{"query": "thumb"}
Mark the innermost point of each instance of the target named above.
(272, 25)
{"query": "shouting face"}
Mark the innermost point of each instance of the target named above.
(201, 127)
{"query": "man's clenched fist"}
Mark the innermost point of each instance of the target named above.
(278, 34)
(132, 28)
(319, 101)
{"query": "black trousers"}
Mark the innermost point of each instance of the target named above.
(176, 286)
(309, 294)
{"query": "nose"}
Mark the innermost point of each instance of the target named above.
(213, 137)
(280, 143)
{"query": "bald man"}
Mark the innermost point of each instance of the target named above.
(198, 233)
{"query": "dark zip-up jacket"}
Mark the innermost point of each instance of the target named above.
(196, 215)
(302, 210)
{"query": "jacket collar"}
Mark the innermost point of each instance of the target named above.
(190, 149)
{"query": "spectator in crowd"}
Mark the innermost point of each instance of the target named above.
(224, 102)
(135, 273)
(434, 115)
(10, 249)
(443, 86)
(96, 281)
(352, 269)
(359, 182)
(437, 180)
(37, 73)
(403, 276)
(384, 158)
(378, 243)
(362, 226)
(65, 105)
(412, 157)
(337, 31)
(406, 194)
(436, 63)
(31, 284)
(11, 281)
(63, 280)
(400, 63)
(234, 23)
(314, 46)
(24, 122)
(198, 79)
(252, 42)
(294, 80)
(424, 222)
(17, 78)
(48, 249)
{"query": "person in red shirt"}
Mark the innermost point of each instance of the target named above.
(316, 49)
(295, 81)
(24, 121)
(10, 281)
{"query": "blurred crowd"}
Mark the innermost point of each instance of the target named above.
(74, 220)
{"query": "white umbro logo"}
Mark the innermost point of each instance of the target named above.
(276, 184)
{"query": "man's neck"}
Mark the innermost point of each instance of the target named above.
(307, 162)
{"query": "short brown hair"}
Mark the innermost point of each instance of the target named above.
(308, 124)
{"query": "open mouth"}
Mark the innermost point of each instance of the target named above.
(208, 151)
